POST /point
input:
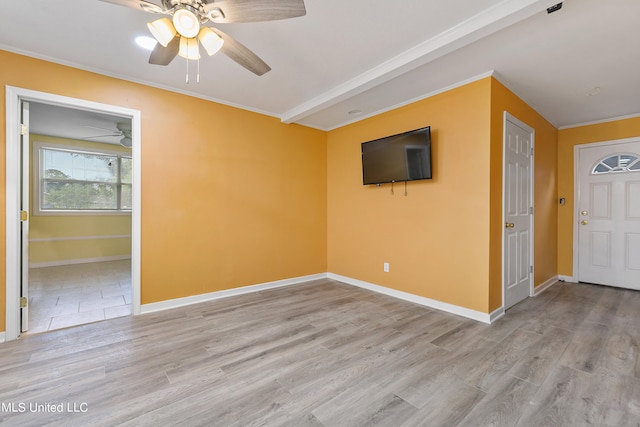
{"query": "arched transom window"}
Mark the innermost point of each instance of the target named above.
(617, 163)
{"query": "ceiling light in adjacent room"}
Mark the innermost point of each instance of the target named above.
(593, 91)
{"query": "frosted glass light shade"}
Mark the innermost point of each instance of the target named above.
(163, 30)
(186, 23)
(210, 40)
(189, 48)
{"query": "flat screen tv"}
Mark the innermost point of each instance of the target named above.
(397, 158)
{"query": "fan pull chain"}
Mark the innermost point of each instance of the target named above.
(198, 66)
(187, 76)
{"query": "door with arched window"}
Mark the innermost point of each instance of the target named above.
(608, 213)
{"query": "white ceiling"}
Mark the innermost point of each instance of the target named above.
(580, 64)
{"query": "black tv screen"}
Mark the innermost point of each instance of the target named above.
(397, 158)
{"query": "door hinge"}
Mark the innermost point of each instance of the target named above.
(24, 130)
(531, 210)
(23, 302)
(531, 268)
(24, 215)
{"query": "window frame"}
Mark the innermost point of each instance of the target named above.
(37, 168)
(626, 169)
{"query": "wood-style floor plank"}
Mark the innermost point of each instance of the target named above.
(326, 354)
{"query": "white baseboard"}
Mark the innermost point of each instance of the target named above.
(78, 261)
(495, 315)
(545, 285)
(2, 337)
(194, 299)
(427, 302)
(568, 279)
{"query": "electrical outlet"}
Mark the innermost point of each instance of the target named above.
(385, 267)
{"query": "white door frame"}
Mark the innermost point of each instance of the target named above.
(576, 194)
(510, 118)
(14, 98)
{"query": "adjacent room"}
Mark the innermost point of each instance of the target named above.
(320, 213)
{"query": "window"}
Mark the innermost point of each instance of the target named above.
(79, 180)
(617, 163)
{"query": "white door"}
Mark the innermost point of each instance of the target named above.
(518, 211)
(24, 219)
(608, 214)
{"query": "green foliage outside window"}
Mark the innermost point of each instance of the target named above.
(74, 180)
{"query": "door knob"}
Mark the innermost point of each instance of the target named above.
(584, 213)
(509, 225)
(584, 222)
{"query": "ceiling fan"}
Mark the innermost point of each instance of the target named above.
(123, 132)
(183, 34)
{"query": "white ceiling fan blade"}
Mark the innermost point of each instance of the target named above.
(254, 10)
(241, 54)
(143, 5)
(99, 128)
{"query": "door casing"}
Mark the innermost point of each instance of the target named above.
(14, 98)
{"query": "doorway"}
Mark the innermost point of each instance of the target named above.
(17, 219)
(607, 218)
(517, 200)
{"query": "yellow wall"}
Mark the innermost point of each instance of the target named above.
(545, 189)
(435, 239)
(567, 140)
(232, 198)
(229, 197)
(444, 240)
(54, 229)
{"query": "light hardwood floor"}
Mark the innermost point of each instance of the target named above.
(328, 354)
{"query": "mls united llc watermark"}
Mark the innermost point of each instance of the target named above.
(43, 407)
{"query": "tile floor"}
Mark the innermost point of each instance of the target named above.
(70, 295)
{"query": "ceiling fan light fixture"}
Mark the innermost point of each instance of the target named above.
(210, 40)
(189, 48)
(162, 30)
(186, 23)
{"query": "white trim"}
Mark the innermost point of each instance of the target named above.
(410, 101)
(571, 279)
(2, 337)
(484, 23)
(576, 192)
(78, 261)
(496, 314)
(427, 302)
(545, 285)
(508, 117)
(14, 97)
(61, 239)
(143, 82)
(597, 122)
(195, 299)
(12, 202)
